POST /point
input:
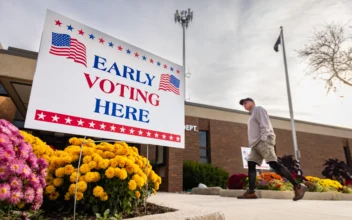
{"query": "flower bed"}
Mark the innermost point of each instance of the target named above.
(112, 176)
(273, 181)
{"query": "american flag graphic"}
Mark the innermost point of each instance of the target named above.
(169, 83)
(64, 45)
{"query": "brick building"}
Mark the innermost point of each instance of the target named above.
(213, 135)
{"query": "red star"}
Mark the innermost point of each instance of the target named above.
(136, 54)
(101, 40)
(178, 71)
(165, 66)
(81, 32)
(151, 60)
(58, 23)
(120, 48)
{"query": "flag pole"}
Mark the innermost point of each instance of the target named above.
(295, 147)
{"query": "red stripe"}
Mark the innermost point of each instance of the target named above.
(61, 119)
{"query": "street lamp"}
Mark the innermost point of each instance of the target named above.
(184, 18)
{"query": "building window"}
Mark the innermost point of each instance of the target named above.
(160, 155)
(204, 147)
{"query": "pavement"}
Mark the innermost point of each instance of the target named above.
(234, 209)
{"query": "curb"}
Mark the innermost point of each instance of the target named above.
(184, 212)
(268, 194)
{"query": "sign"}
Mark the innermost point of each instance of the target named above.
(191, 128)
(245, 154)
(91, 84)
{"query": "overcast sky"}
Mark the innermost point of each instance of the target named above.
(229, 46)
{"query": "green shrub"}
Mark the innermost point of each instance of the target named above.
(195, 173)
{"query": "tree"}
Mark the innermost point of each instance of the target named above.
(329, 55)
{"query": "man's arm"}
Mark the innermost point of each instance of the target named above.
(263, 119)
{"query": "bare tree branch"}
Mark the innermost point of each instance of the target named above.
(329, 56)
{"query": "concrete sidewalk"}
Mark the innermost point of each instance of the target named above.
(263, 208)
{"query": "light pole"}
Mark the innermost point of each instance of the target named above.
(184, 18)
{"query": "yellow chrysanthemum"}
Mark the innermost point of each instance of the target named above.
(58, 182)
(50, 189)
(73, 177)
(113, 163)
(103, 164)
(54, 196)
(129, 169)
(108, 155)
(72, 189)
(156, 186)
(110, 173)
(92, 164)
(82, 186)
(138, 194)
(49, 180)
(84, 169)
(92, 177)
(123, 174)
(87, 159)
(104, 197)
(132, 185)
(98, 191)
(68, 196)
(69, 169)
(79, 196)
(60, 172)
(20, 205)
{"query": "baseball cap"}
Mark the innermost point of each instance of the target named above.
(245, 100)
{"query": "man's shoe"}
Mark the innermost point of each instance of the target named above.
(248, 195)
(300, 190)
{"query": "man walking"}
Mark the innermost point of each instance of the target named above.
(262, 138)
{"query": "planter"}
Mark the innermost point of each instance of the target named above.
(207, 191)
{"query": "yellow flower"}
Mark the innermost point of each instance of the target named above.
(74, 176)
(72, 189)
(138, 194)
(92, 177)
(108, 154)
(110, 173)
(58, 182)
(82, 186)
(50, 189)
(84, 169)
(79, 196)
(68, 196)
(20, 205)
(129, 169)
(156, 186)
(60, 172)
(113, 163)
(87, 159)
(122, 174)
(92, 164)
(122, 162)
(104, 197)
(54, 196)
(49, 180)
(132, 185)
(103, 164)
(69, 169)
(98, 191)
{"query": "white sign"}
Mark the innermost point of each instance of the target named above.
(245, 153)
(191, 128)
(89, 83)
